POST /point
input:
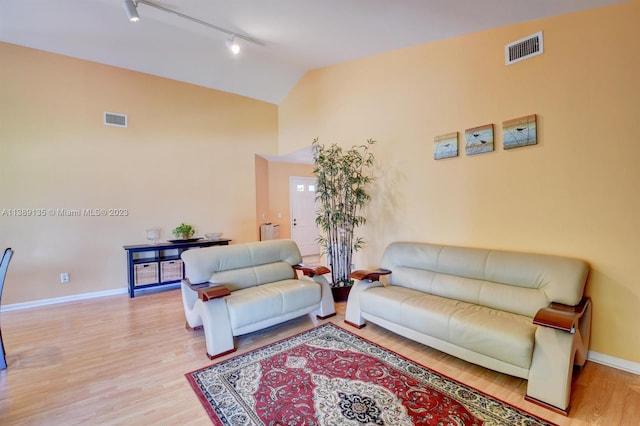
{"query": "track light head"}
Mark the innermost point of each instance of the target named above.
(232, 45)
(132, 10)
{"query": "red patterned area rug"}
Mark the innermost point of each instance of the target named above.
(329, 376)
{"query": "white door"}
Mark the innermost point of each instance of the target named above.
(302, 198)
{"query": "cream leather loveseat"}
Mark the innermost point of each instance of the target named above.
(516, 313)
(238, 289)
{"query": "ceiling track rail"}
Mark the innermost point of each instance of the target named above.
(198, 21)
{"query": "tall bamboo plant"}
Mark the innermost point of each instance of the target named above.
(341, 194)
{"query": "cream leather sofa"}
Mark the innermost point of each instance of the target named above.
(516, 313)
(241, 288)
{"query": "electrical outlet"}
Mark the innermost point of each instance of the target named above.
(64, 277)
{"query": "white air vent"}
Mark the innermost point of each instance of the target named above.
(524, 48)
(113, 119)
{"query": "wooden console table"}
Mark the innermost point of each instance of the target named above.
(152, 265)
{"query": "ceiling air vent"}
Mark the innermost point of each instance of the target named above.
(524, 48)
(113, 119)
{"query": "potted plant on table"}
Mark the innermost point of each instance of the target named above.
(341, 193)
(184, 231)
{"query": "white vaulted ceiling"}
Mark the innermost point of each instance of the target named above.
(297, 35)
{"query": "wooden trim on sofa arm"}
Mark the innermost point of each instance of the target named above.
(221, 354)
(197, 327)
(562, 317)
(207, 291)
(564, 412)
(370, 275)
(352, 324)
(311, 270)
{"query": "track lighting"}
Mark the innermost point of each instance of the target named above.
(132, 10)
(232, 45)
(131, 7)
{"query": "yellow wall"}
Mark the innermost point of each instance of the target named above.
(187, 155)
(262, 192)
(272, 183)
(272, 197)
(575, 193)
(280, 210)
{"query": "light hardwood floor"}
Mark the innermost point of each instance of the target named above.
(115, 360)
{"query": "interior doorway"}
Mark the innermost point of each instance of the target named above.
(302, 201)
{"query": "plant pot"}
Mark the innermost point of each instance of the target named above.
(340, 294)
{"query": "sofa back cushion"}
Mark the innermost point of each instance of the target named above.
(242, 265)
(521, 283)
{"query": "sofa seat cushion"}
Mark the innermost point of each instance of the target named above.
(501, 335)
(254, 304)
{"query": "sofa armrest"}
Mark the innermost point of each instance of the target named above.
(562, 317)
(207, 291)
(353, 313)
(316, 273)
(311, 270)
(369, 275)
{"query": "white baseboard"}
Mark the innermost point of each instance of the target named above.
(53, 301)
(618, 363)
(608, 360)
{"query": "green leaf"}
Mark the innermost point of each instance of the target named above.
(343, 177)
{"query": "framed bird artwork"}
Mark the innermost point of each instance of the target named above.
(445, 146)
(479, 139)
(519, 132)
